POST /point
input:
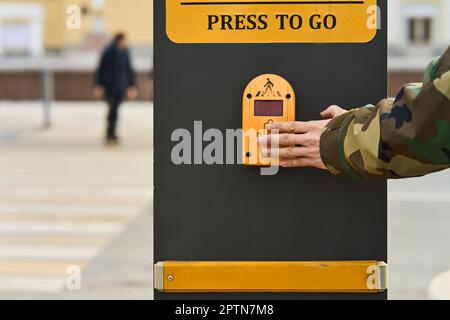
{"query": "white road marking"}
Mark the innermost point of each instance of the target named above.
(72, 209)
(64, 196)
(415, 196)
(71, 192)
(32, 284)
(58, 228)
(49, 253)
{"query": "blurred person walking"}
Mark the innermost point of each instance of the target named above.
(115, 81)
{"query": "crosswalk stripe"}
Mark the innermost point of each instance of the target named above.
(63, 240)
(38, 180)
(23, 267)
(71, 192)
(5, 218)
(56, 228)
(66, 209)
(53, 253)
(86, 200)
(64, 196)
(417, 196)
(32, 284)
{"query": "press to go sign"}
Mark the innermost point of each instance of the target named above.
(251, 21)
(254, 22)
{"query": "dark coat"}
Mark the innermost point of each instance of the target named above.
(115, 72)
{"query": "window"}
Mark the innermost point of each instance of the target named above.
(16, 37)
(21, 28)
(420, 30)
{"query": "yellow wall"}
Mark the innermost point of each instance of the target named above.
(54, 31)
(135, 17)
(74, 37)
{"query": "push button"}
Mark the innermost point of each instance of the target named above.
(267, 99)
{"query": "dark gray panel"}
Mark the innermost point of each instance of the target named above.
(231, 212)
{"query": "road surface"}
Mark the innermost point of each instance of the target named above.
(68, 200)
(65, 197)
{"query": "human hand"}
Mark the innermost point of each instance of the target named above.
(297, 144)
(132, 93)
(99, 92)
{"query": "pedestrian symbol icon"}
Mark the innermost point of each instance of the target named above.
(268, 87)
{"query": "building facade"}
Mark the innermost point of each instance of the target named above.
(418, 31)
(35, 26)
(418, 27)
(63, 38)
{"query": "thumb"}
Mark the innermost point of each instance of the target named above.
(332, 112)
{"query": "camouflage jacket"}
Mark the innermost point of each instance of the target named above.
(407, 137)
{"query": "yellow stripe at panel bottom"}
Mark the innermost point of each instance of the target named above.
(274, 277)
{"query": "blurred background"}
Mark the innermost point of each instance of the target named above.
(419, 209)
(70, 204)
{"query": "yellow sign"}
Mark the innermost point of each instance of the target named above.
(271, 276)
(267, 98)
(252, 21)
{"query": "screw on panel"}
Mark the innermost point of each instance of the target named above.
(170, 278)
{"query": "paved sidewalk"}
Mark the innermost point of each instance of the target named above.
(419, 234)
(124, 270)
(65, 197)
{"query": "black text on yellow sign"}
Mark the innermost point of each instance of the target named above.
(249, 21)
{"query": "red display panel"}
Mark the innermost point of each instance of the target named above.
(269, 108)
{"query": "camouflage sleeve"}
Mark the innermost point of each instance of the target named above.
(407, 137)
